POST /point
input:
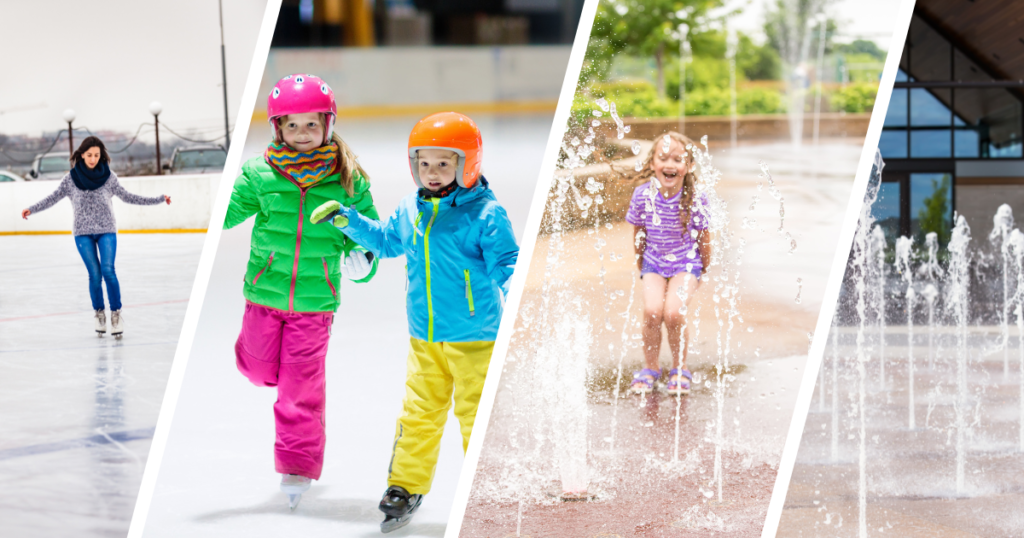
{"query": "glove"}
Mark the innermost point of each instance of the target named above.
(357, 265)
(330, 211)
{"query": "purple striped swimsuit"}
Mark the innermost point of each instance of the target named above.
(669, 251)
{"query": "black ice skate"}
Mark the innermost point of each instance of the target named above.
(398, 506)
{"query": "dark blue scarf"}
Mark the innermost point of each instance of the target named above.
(89, 179)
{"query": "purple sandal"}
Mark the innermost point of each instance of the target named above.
(681, 384)
(643, 381)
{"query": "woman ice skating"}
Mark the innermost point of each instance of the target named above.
(90, 185)
(295, 269)
(673, 250)
(461, 251)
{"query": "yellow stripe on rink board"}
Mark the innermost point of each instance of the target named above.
(166, 231)
(159, 231)
(501, 107)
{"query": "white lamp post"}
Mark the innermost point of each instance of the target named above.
(69, 116)
(155, 108)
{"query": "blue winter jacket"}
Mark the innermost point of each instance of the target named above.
(460, 252)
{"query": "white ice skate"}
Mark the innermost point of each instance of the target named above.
(101, 322)
(116, 323)
(294, 486)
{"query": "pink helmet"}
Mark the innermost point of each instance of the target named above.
(298, 94)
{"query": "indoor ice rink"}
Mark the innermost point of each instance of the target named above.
(217, 477)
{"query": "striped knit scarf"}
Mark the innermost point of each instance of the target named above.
(307, 168)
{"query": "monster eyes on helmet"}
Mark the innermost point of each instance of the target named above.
(276, 92)
(300, 79)
(324, 89)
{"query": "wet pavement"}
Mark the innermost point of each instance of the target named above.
(911, 473)
(642, 485)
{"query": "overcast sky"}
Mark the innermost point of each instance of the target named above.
(109, 59)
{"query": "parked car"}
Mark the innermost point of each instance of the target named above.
(197, 160)
(7, 177)
(50, 166)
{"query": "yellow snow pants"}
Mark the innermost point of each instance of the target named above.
(434, 371)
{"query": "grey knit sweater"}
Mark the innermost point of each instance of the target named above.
(94, 211)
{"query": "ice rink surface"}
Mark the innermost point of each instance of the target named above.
(217, 477)
(79, 410)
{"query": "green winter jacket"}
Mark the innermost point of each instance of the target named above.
(293, 265)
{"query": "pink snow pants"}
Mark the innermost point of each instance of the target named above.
(287, 350)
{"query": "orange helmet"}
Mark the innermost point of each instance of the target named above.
(453, 132)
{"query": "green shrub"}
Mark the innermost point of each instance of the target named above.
(853, 98)
(639, 99)
(760, 101)
(633, 98)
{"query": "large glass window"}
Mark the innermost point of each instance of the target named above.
(896, 115)
(954, 121)
(886, 210)
(926, 110)
(893, 144)
(931, 143)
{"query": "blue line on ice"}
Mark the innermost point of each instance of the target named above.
(85, 442)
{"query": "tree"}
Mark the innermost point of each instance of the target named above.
(790, 28)
(757, 62)
(934, 216)
(644, 28)
(861, 46)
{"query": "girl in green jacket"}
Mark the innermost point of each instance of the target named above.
(291, 283)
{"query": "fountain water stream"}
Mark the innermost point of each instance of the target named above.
(795, 32)
(957, 303)
(877, 248)
(1016, 251)
(904, 246)
(731, 43)
(1002, 224)
(862, 253)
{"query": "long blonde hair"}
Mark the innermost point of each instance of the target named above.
(347, 163)
(689, 179)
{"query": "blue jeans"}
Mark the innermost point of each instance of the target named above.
(98, 251)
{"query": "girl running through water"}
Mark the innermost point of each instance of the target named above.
(91, 185)
(294, 271)
(673, 250)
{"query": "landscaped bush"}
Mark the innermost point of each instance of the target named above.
(639, 99)
(853, 98)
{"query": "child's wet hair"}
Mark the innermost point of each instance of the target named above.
(647, 171)
(689, 180)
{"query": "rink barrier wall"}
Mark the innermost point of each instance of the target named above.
(503, 77)
(192, 198)
(377, 111)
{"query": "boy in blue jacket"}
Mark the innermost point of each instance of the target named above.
(460, 252)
